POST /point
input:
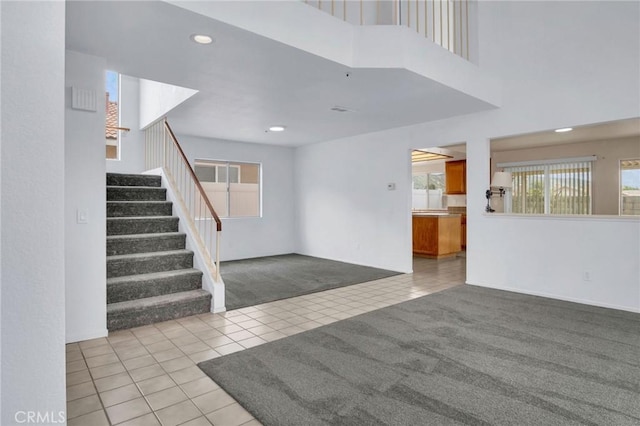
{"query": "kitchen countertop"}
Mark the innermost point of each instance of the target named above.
(436, 213)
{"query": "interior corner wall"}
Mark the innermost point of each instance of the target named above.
(556, 75)
(273, 233)
(85, 191)
(131, 142)
(32, 209)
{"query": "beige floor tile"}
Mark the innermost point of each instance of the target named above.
(177, 364)
(188, 374)
(168, 355)
(82, 406)
(75, 366)
(80, 391)
(218, 341)
(147, 372)
(185, 340)
(227, 329)
(112, 382)
(251, 342)
(275, 335)
(213, 401)
(96, 418)
(204, 356)
(192, 348)
(100, 360)
(207, 334)
(146, 420)
(156, 384)
(249, 323)
(159, 346)
(261, 329)
(97, 350)
(240, 335)
(229, 348)
(231, 415)
(93, 342)
(132, 352)
(200, 421)
(139, 362)
(279, 325)
(74, 356)
(78, 377)
(107, 370)
(253, 422)
(290, 331)
(152, 338)
(199, 387)
(127, 410)
(178, 414)
(166, 398)
(120, 395)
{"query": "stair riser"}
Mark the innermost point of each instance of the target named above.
(115, 209)
(123, 267)
(137, 226)
(136, 318)
(145, 245)
(131, 290)
(133, 180)
(136, 194)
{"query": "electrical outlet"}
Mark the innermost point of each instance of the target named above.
(391, 186)
(82, 216)
(586, 276)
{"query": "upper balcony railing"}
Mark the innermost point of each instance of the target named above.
(445, 22)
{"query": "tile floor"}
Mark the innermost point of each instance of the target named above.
(148, 375)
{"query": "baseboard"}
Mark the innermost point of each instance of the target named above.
(563, 298)
(79, 337)
(219, 310)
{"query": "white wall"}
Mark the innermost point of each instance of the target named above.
(32, 208)
(132, 142)
(157, 99)
(85, 189)
(559, 74)
(273, 233)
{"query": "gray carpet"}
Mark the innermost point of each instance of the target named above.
(251, 282)
(466, 355)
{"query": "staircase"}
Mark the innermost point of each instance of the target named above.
(150, 275)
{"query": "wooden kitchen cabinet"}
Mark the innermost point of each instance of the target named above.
(437, 235)
(463, 231)
(456, 177)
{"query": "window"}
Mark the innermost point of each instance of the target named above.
(428, 189)
(551, 187)
(630, 187)
(112, 125)
(233, 188)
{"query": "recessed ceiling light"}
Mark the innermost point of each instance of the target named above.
(202, 38)
(277, 128)
(564, 129)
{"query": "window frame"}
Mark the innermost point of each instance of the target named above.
(546, 168)
(216, 164)
(620, 198)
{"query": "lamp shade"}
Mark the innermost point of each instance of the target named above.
(501, 180)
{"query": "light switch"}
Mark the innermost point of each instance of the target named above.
(82, 216)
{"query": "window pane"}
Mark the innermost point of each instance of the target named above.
(112, 114)
(630, 187)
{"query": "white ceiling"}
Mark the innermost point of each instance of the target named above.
(593, 132)
(247, 82)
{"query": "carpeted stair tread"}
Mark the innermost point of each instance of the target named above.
(136, 193)
(126, 179)
(141, 225)
(139, 208)
(142, 263)
(130, 287)
(134, 313)
(144, 243)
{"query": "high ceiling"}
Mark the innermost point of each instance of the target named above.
(247, 83)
